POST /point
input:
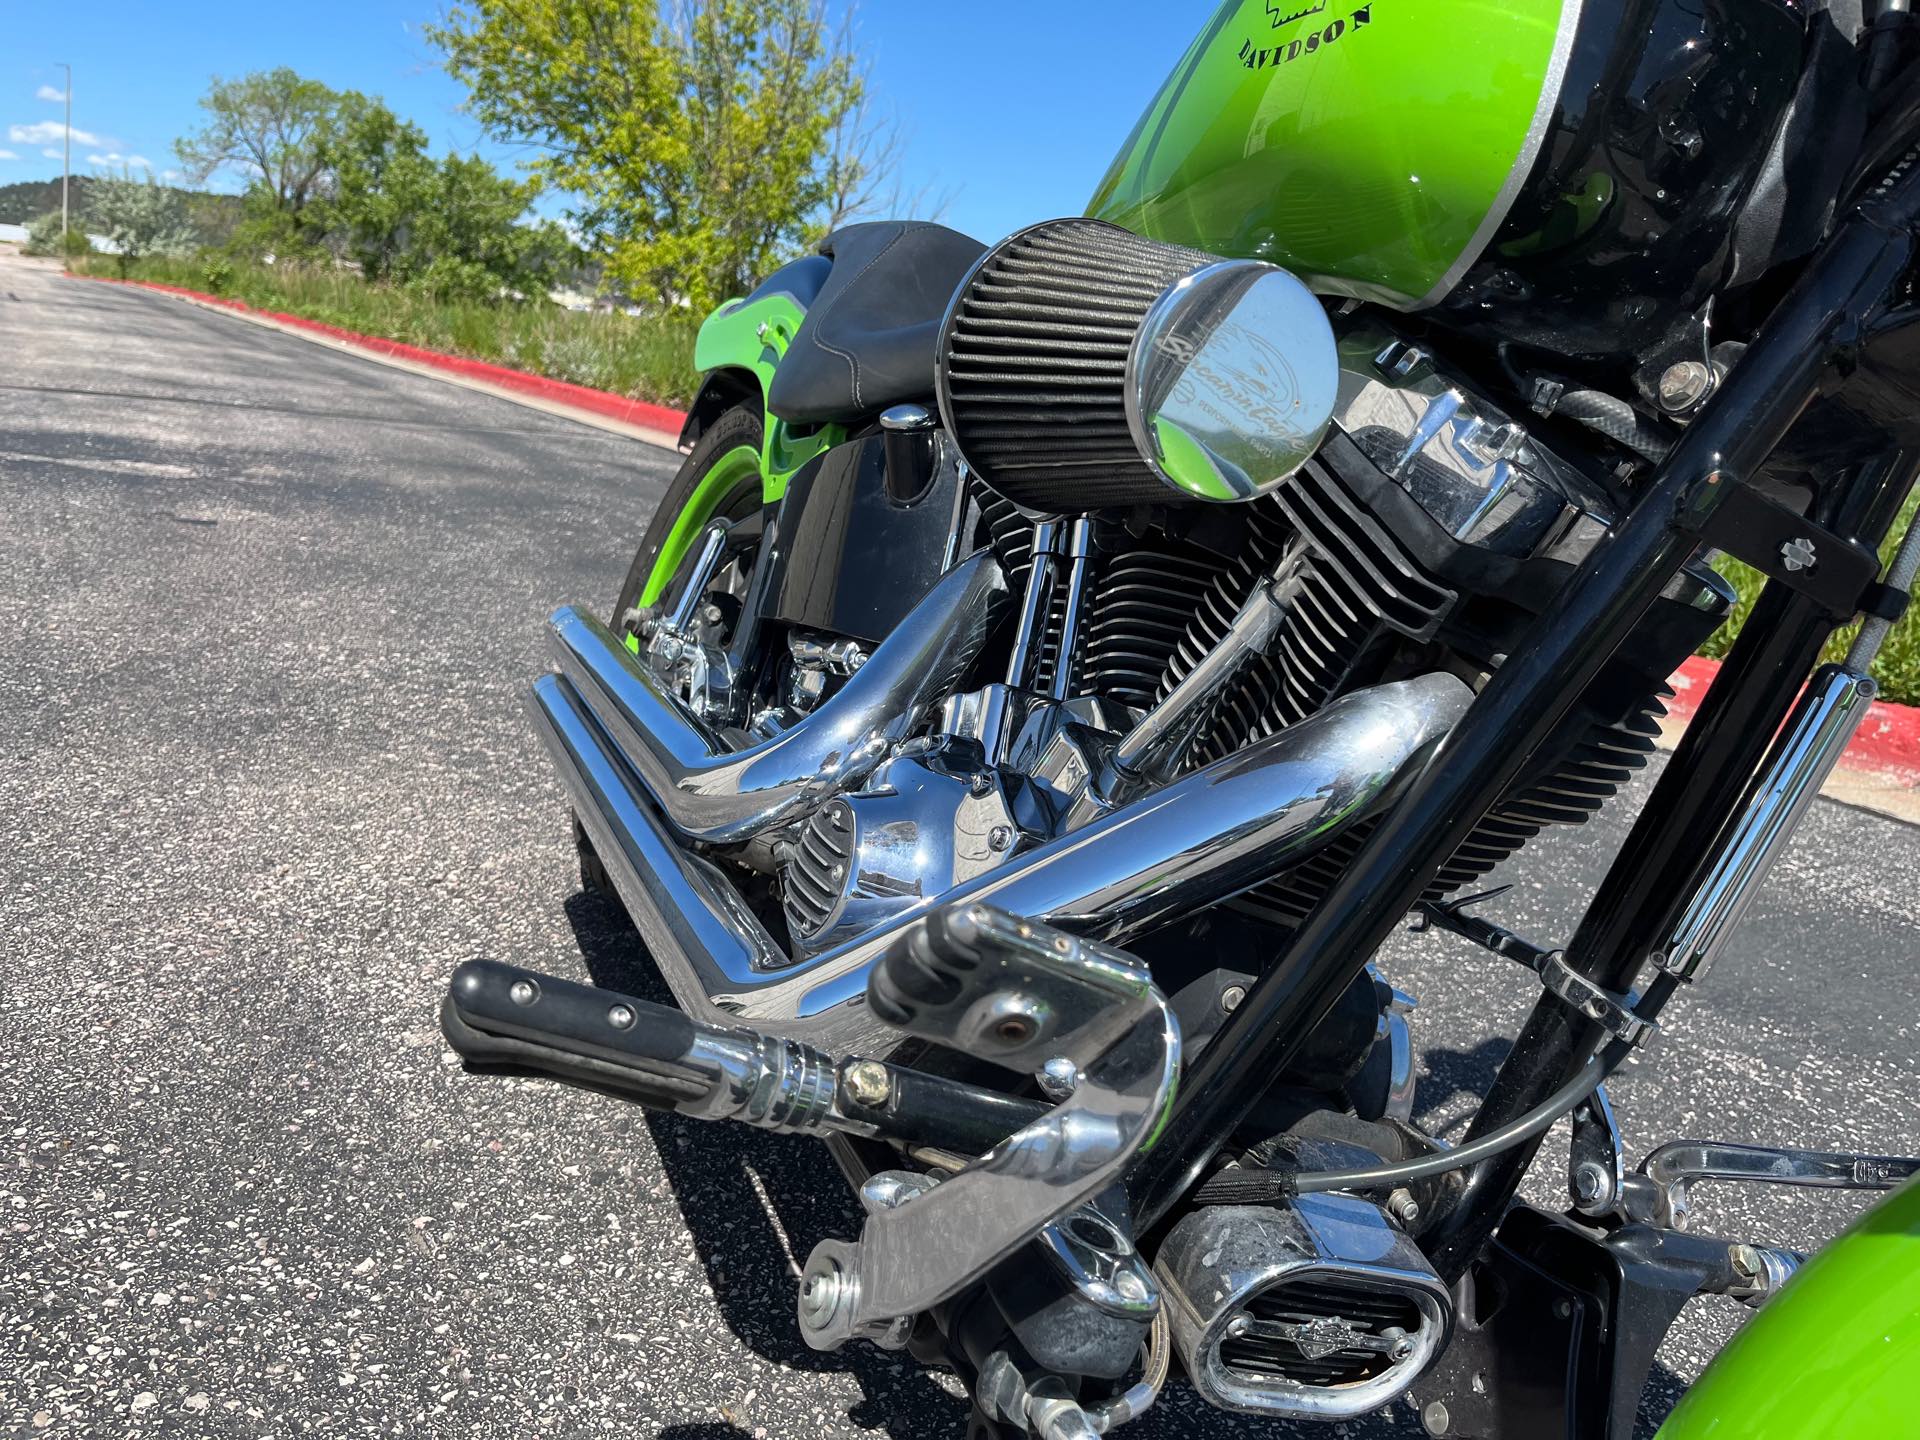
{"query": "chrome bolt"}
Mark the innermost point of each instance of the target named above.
(1435, 1418)
(1684, 385)
(621, 1017)
(820, 1297)
(1403, 1207)
(867, 1083)
(711, 614)
(1239, 1325)
(523, 992)
(1130, 1286)
(1745, 1261)
(1231, 997)
(980, 784)
(1797, 555)
(1058, 1078)
(1000, 837)
(1401, 1349)
(1563, 1308)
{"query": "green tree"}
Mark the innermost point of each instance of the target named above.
(450, 226)
(272, 129)
(382, 185)
(269, 127)
(471, 238)
(698, 143)
(138, 218)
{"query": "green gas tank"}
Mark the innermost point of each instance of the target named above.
(1562, 172)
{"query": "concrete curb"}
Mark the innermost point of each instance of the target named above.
(655, 424)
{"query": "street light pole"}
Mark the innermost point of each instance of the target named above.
(66, 160)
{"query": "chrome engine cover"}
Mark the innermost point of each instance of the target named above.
(1320, 1309)
(913, 833)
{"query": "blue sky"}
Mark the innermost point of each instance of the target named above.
(1011, 109)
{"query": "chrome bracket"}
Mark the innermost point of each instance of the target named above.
(1019, 994)
(1596, 1161)
(1612, 1013)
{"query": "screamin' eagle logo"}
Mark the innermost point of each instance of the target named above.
(1283, 15)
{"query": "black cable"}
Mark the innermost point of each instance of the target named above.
(1522, 1127)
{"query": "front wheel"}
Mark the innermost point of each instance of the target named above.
(720, 480)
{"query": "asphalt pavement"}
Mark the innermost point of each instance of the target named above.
(265, 613)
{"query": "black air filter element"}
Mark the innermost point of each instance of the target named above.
(1033, 364)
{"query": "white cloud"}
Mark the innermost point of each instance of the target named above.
(8, 155)
(46, 132)
(52, 154)
(47, 92)
(116, 159)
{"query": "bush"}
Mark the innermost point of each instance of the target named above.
(44, 238)
(140, 217)
(216, 274)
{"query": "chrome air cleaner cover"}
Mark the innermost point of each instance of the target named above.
(1232, 381)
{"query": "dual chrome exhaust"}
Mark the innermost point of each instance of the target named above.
(648, 780)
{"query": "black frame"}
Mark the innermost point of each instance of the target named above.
(1826, 359)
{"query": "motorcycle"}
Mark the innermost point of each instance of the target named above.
(1059, 665)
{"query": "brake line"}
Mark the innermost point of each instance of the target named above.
(1522, 1127)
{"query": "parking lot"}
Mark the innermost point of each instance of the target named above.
(266, 610)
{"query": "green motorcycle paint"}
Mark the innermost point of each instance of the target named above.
(753, 338)
(729, 474)
(1371, 148)
(1836, 1353)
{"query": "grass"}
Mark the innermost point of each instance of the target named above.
(643, 357)
(648, 358)
(1898, 666)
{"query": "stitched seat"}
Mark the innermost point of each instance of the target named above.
(869, 338)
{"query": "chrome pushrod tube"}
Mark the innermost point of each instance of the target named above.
(721, 797)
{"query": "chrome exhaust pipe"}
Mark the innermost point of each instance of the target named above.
(721, 796)
(1204, 838)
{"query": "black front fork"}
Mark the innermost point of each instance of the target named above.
(1846, 296)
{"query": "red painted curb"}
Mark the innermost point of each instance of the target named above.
(639, 413)
(1888, 741)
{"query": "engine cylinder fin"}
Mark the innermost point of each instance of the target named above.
(1571, 793)
(1139, 607)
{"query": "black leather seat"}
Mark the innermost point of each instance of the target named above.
(869, 337)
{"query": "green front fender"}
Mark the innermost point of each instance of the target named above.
(1835, 1354)
(752, 337)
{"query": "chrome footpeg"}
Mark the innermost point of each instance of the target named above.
(1658, 1194)
(1028, 997)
